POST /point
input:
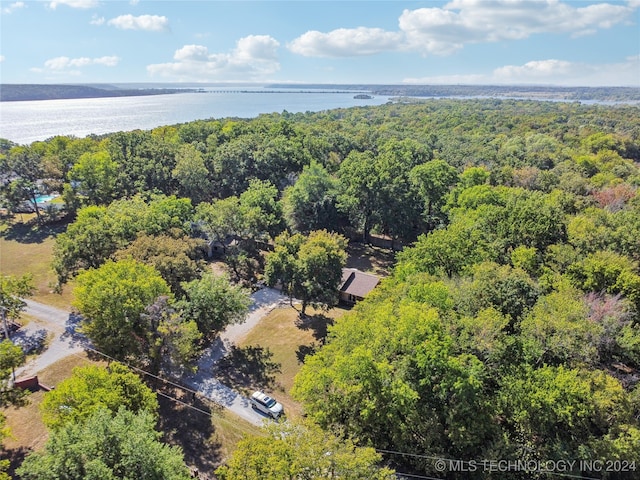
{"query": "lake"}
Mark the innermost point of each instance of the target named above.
(30, 121)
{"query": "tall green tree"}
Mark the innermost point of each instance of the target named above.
(302, 450)
(192, 174)
(308, 268)
(360, 190)
(93, 388)
(111, 299)
(261, 209)
(176, 257)
(311, 203)
(11, 357)
(433, 180)
(12, 292)
(95, 176)
(173, 344)
(222, 220)
(22, 172)
(213, 303)
(106, 447)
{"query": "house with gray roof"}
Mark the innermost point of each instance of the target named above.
(356, 285)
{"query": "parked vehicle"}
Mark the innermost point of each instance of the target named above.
(266, 404)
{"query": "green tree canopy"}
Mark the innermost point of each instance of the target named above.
(111, 299)
(213, 303)
(105, 446)
(301, 450)
(95, 175)
(308, 268)
(310, 204)
(93, 388)
(174, 255)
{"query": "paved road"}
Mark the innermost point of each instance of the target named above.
(66, 341)
(60, 327)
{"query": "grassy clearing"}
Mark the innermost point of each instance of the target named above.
(27, 430)
(28, 248)
(269, 356)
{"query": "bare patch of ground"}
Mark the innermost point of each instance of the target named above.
(370, 259)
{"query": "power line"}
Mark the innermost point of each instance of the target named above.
(413, 475)
(184, 403)
(474, 463)
(390, 452)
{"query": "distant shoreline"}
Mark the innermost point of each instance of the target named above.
(515, 92)
(28, 92)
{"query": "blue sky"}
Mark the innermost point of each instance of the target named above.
(590, 43)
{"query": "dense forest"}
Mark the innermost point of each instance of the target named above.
(510, 326)
(23, 92)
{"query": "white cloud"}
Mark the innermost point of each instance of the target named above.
(134, 2)
(345, 42)
(13, 7)
(445, 30)
(84, 4)
(65, 63)
(150, 23)
(2, 57)
(96, 20)
(549, 72)
(253, 58)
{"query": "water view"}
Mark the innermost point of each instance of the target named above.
(26, 122)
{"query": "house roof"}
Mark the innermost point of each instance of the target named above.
(357, 283)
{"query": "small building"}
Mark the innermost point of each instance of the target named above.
(356, 285)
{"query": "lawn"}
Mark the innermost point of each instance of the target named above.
(206, 432)
(26, 247)
(271, 354)
(27, 430)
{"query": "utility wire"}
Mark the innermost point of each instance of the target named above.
(389, 452)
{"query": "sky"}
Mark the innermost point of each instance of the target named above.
(547, 42)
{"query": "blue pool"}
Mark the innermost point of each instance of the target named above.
(45, 198)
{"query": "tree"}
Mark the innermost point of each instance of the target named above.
(95, 175)
(558, 331)
(172, 344)
(449, 251)
(22, 170)
(106, 447)
(261, 209)
(309, 268)
(192, 174)
(302, 450)
(360, 189)
(94, 388)
(222, 220)
(12, 292)
(310, 204)
(433, 180)
(213, 303)
(111, 299)
(11, 357)
(558, 413)
(4, 433)
(174, 255)
(98, 232)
